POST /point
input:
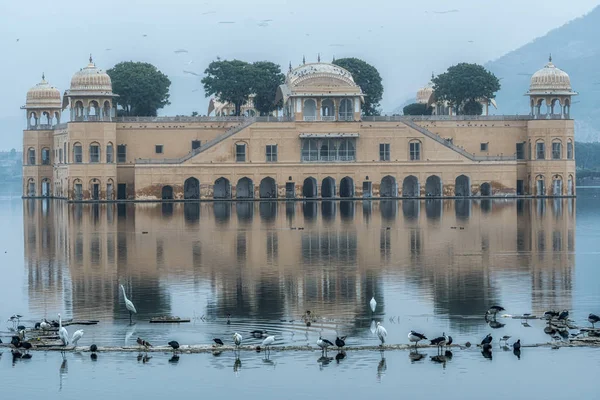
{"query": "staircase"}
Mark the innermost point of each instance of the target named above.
(453, 147)
(230, 132)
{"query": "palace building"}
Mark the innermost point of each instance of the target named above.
(320, 147)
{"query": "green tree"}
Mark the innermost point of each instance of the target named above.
(230, 81)
(417, 109)
(367, 77)
(268, 79)
(141, 87)
(463, 85)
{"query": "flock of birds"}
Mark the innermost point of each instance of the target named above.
(18, 342)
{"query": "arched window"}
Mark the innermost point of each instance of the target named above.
(346, 113)
(79, 111)
(327, 110)
(93, 108)
(77, 153)
(45, 119)
(106, 111)
(33, 120)
(109, 153)
(569, 150)
(540, 150)
(45, 156)
(94, 153)
(310, 110)
(556, 149)
(31, 156)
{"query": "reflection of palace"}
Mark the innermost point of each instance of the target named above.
(254, 261)
(321, 147)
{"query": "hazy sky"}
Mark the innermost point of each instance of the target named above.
(405, 40)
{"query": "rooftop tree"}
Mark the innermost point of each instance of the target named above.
(367, 77)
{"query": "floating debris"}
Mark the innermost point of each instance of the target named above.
(166, 319)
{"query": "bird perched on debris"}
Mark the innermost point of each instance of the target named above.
(416, 337)
(564, 314)
(493, 310)
(440, 341)
(62, 332)
(174, 345)
(381, 333)
(237, 339)
(44, 325)
(269, 340)
(218, 341)
(143, 343)
(340, 341)
(517, 345)
(593, 319)
(76, 336)
(487, 340)
(323, 344)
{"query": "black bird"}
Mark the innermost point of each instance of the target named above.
(551, 314)
(487, 340)
(218, 341)
(175, 345)
(340, 356)
(15, 341)
(340, 342)
(16, 353)
(416, 337)
(174, 359)
(517, 345)
(449, 342)
(517, 353)
(37, 325)
(493, 310)
(26, 345)
(94, 356)
(93, 348)
(142, 342)
(593, 319)
(440, 341)
(21, 327)
(258, 334)
(487, 351)
(563, 315)
(26, 356)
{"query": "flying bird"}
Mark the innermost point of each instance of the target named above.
(226, 22)
(76, 336)
(191, 73)
(493, 310)
(178, 51)
(381, 333)
(446, 11)
(62, 332)
(128, 304)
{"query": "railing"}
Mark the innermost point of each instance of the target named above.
(40, 127)
(401, 118)
(310, 118)
(457, 149)
(327, 118)
(346, 118)
(181, 119)
(327, 159)
(92, 118)
(232, 131)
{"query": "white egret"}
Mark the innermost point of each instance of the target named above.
(237, 339)
(373, 304)
(76, 336)
(381, 333)
(267, 342)
(62, 332)
(416, 337)
(128, 304)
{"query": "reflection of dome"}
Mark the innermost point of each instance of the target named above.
(43, 95)
(319, 70)
(550, 80)
(91, 80)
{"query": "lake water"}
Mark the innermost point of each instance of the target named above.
(433, 266)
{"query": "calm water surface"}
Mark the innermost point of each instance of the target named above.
(433, 266)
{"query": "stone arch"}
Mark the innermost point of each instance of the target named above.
(267, 188)
(388, 187)
(310, 110)
(222, 189)
(94, 152)
(410, 187)
(433, 186)
(93, 108)
(33, 119)
(45, 118)
(110, 189)
(557, 149)
(462, 186)
(95, 189)
(110, 153)
(191, 189)
(309, 187)
(485, 189)
(570, 186)
(55, 118)
(78, 110)
(31, 187)
(556, 107)
(327, 110)
(328, 187)
(346, 111)
(347, 187)
(244, 189)
(167, 192)
(46, 191)
(106, 109)
(557, 185)
(77, 189)
(540, 185)
(31, 160)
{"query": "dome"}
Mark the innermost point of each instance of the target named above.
(91, 81)
(43, 95)
(424, 94)
(550, 80)
(319, 70)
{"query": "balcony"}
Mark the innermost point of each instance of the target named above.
(311, 158)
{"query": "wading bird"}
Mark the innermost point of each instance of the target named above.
(504, 339)
(128, 304)
(416, 337)
(323, 344)
(76, 336)
(440, 341)
(62, 332)
(381, 333)
(266, 343)
(237, 339)
(340, 341)
(143, 343)
(593, 319)
(174, 345)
